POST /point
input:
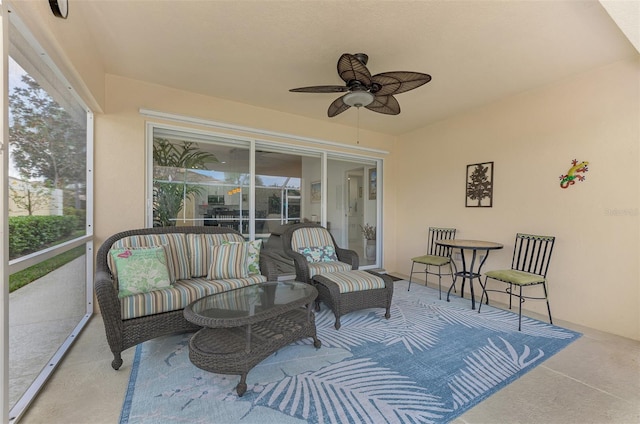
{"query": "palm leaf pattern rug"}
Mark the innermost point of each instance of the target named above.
(431, 362)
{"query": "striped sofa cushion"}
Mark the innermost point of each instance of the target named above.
(316, 268)
(179, 295)
(310, 237)
(200, 260)
(175, 241)
(352, 281)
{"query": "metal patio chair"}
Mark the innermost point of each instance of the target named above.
(529, 266)
(437, 256)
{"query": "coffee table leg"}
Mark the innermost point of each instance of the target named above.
(241, 388)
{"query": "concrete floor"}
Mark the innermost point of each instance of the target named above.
(596, 379)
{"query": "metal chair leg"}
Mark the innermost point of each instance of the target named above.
(511, 294)
(544, 286)
(440, 282)
(483, 293)
(452, 276)
(520, 310)
(411, 275)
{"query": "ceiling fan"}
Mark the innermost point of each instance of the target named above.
(373, 92)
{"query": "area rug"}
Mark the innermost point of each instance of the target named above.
(431, 362)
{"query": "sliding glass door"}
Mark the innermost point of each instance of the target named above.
(257, 188)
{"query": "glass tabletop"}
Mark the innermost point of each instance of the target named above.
(249, 304)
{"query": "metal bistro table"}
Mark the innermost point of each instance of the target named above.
(468, 273)
(244, 326)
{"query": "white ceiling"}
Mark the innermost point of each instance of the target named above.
(254, 51)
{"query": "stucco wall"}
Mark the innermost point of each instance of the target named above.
(532, 138)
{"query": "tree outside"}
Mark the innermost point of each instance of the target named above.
(48, 148)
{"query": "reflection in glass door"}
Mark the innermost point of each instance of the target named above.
(352, 206)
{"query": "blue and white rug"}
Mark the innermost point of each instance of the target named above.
(431, 362)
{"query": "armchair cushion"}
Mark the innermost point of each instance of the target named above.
(319, 253)
(317, 268)
(141, 270)
(310, 237)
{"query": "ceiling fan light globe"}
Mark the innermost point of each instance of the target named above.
(358, 98)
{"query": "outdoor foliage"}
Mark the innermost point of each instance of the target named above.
(31, 233)
(168, 191)
(46, 142)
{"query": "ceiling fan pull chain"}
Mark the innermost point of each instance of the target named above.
(358, 127)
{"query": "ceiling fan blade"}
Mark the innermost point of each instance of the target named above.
(399, 81)
(321, 89)
(337, 107)
(385, 104)
(351, 69)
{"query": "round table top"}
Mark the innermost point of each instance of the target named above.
(470, 244)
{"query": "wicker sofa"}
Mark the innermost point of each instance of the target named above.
(131, 320)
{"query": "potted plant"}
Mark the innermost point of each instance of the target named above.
(369, 233)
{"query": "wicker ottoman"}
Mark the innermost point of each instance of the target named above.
(348, 291)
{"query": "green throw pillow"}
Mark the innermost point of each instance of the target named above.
(140, 270)
(253, 255)
(228, 261)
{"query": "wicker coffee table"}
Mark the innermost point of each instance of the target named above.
(244, 326)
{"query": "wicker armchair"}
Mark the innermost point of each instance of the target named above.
(347, 259)
(125, 333)
(341, 286)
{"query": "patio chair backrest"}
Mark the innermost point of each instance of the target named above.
(532, 253)
(437, 234)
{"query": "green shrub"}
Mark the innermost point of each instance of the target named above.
(80, 214)
(32, 233)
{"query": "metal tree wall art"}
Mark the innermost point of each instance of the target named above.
(576, 172)
(480, 185)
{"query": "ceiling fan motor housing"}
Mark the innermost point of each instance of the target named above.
(358, 98)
